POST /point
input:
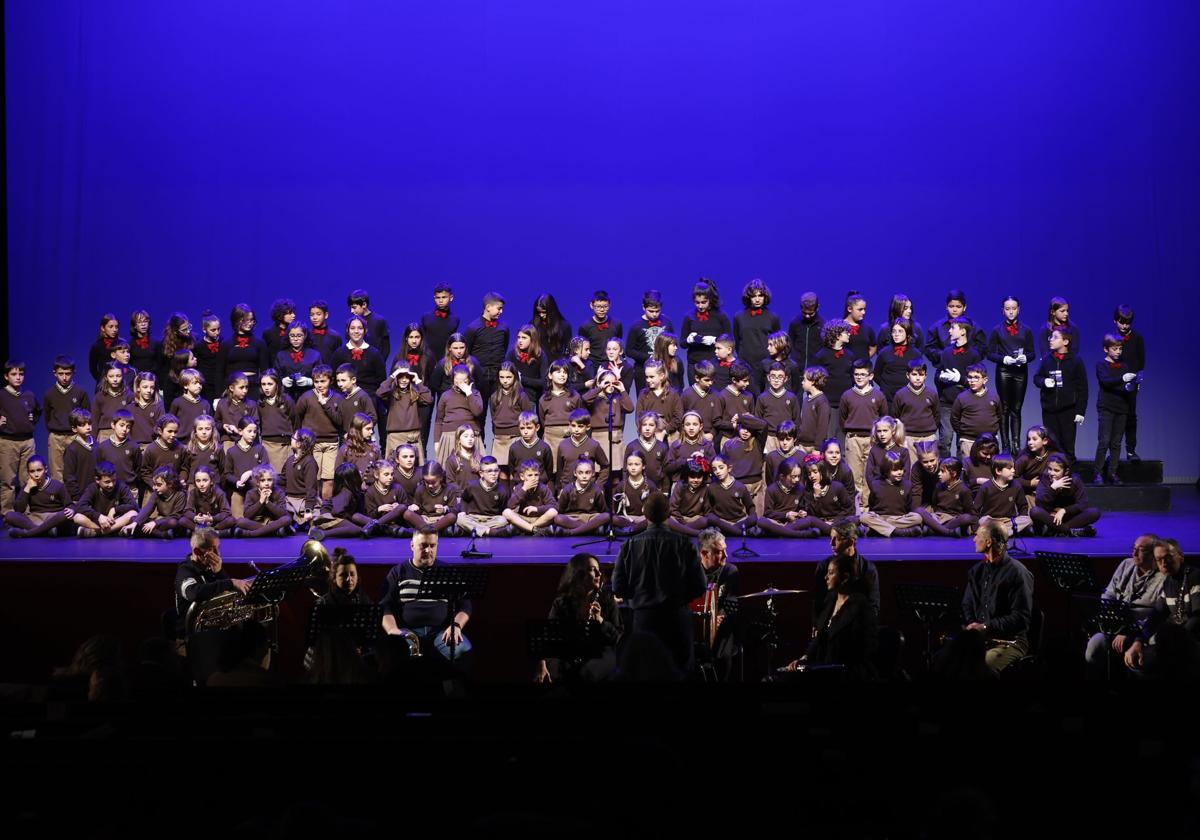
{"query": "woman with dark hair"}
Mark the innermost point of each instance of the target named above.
(847, 628)
(245, 353)
(703, 325)
(552, 327)
(583, 600)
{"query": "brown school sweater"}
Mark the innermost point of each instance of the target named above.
(860, 411)
(668, 405)
(686, 502)
(730, 503)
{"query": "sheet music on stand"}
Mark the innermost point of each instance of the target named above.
(444, 582)
(273, 584)
(363, 621)
(567, 640)
(1070, 572)
(1109, 616)
(928, 603)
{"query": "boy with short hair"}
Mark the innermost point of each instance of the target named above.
(736, 399)
(600, 327)
(530, 505)
(579, 445)
(976, 410)
(324, 340)
(951, 511)
(439, 324)
(1134, 357)
(354, 400)
(487, 341)
(484, 501)
(120, 450)
(1114, 402)
(107, 504)
(725, 357)
(318, 410)
(1002, 498)
(79, 459)
(859, 408)
(63, 397)
(529, 447)
(19, 413)
(650, 326)
(703, 398)
(916, 406)
(952, 377)
(776, 405)
(814, 409)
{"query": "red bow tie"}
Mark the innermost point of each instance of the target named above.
(655, 323)
(839, 354)
(1013, 329)
(143, 342)
(282, 332)
(441, 313)
(320, 330)
(1115, 365)
(489, 324)
(414, 359)
(107, 343)
(755, 312)
(702, 316)
(356, 355)
(213, 346)
(523, 356)
(726, 363)
(854, 328)
(1126, 336)
(243, 341)
(1060, 356)
(297, 356)
(958, 351)
(900, 349)
(602, 325)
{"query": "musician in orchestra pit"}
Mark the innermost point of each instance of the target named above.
(582, 597)
(1178, 604)
(843, 539)
(430, 619)
(724, 581)
(200, 577)
(847, 630)
(658, 573)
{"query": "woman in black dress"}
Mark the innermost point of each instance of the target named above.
(582, 598)
(847, 629)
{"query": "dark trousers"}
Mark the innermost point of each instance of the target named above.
(673, 627)
(1011, 384)
(945, 432)
(1061, 425)
(1131, 424)
(1108, 440)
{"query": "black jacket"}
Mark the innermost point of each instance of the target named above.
(658, 569)
(849, 638)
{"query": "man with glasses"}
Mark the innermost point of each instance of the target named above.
(1136, 582)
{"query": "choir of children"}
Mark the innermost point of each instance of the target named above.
(753, 445)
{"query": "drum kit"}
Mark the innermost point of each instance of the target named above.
(707, 607)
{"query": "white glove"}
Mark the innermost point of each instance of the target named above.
(466, 389)
(1048, 382)
(691, 339)
(1078, 419)
(1129, 377)
(304, 381)
(416, 380)
(287, 382)
(710, 340)
(1021, 357)
(950, 375)
(1009, 360)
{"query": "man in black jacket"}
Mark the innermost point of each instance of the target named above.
(658, 573)
(998, 601)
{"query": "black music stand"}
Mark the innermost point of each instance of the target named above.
(1110, 617)
(1072, 573)
(610, 532)
(363, 621)
(928, 605)
(453, 584)
(744, 550)
(573, 643)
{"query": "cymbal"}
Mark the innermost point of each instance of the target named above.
(771, 592)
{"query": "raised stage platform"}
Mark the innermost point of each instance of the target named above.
(56, 592)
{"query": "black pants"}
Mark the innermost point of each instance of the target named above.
(671, 626)
(1061, 425)
(1131, 424)
(1011, 383)
(1108, 440)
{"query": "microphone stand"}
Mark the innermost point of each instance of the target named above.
(610, 532)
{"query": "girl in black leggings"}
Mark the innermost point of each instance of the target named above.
(1011, 347)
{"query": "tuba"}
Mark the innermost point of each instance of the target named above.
(230, 608)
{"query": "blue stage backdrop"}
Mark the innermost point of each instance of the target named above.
(184, 155)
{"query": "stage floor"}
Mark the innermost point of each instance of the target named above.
(1115, 534)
